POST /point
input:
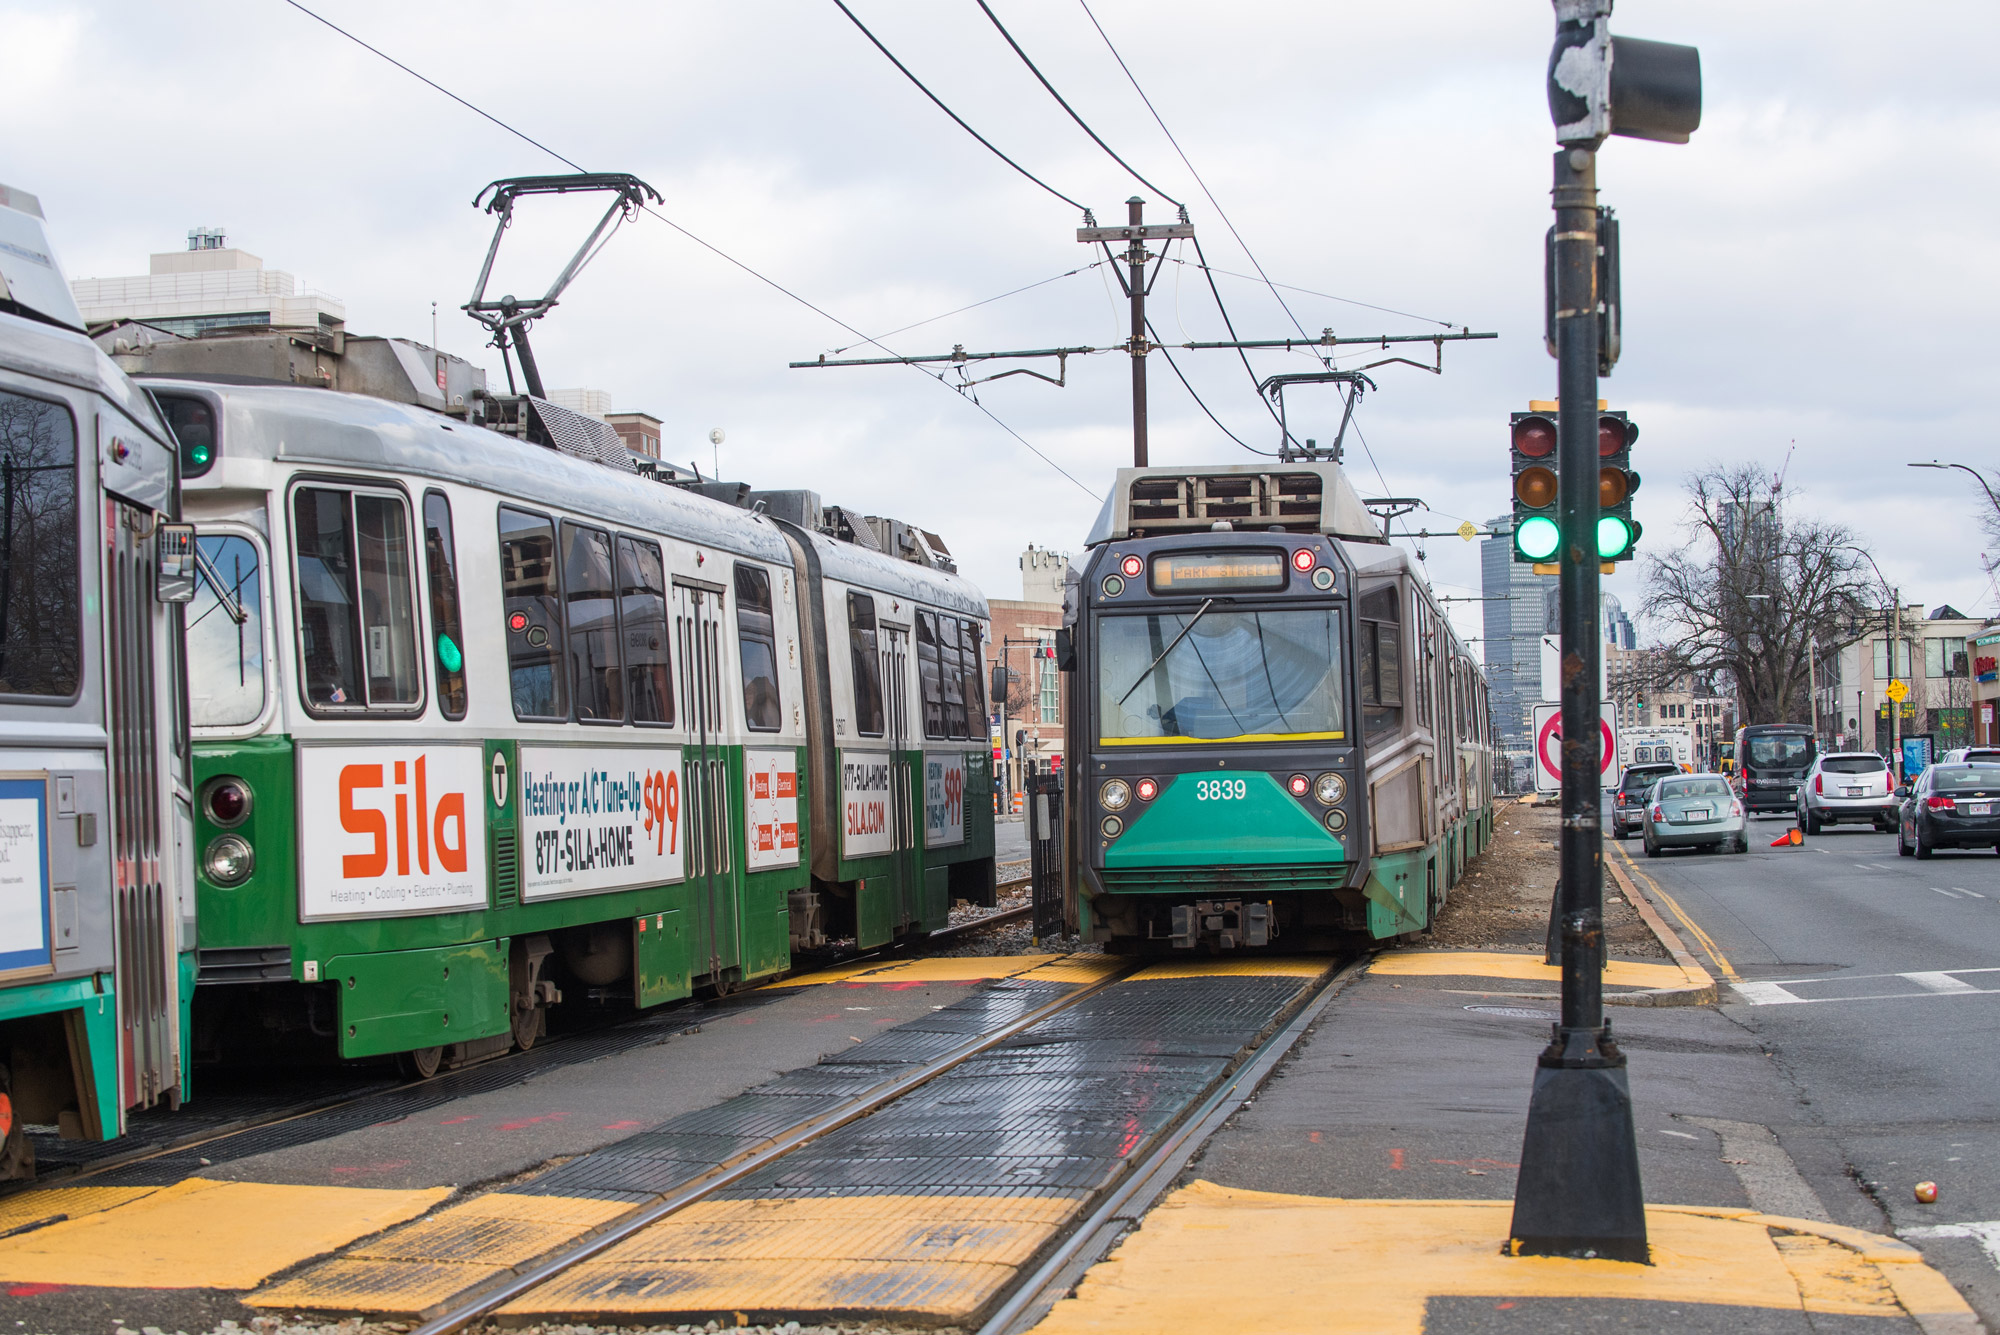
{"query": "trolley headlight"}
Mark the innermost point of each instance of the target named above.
(1329, 789)
(227, 801)
(1113, 827)
(229, 860)
(1113, 585)
(1148, 790)
(1336, 820)
(1115, 795)
(1300, 785)
(1133, 567)
(1322, 579)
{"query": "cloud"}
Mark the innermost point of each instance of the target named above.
(1813, 268)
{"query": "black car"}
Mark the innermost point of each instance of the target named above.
(1950, 806)
(1628, 800)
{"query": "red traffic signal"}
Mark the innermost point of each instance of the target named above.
(1534, 436)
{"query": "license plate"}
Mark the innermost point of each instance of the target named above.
(1695, 813)
(1856, 792)
(1978, 808)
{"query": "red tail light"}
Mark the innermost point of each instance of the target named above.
(1659, 814)
(1819, 783)
(1735, 808)
(1940, 804)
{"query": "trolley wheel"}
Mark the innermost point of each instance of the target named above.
(530, 1023)
(420, 1063)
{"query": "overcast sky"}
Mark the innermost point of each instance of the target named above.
(1812, 279)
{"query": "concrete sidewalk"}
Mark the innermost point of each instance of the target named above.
(1368, 1188)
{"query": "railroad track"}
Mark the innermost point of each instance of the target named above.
(1094, 1227)
(218, 1133)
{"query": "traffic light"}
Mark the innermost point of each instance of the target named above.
(1537, 533)
(1617, 532)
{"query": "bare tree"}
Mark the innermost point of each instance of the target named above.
(1752, 589)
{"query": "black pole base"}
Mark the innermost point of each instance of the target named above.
(1578, 1192)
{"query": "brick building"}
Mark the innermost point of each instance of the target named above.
(1024, 639)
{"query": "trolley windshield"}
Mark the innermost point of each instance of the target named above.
(1219, 676)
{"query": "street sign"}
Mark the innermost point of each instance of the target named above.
(1467, 530)
(1552, 670)
(1547, 722)
(1896, 690)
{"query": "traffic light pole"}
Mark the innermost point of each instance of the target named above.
(1578, 1192)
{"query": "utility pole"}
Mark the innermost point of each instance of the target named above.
(1130, 268)
(1578, 1192)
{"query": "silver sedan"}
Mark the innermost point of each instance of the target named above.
(1693, 811)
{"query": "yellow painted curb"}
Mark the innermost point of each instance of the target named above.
(946, 969)
(1529, 968)
(203, 1234)
(1371, 1266)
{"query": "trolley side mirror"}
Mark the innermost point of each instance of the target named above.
(1065, 650)
(173, 563)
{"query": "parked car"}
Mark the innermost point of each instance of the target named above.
(1964, 755)
(1694, 810)
(1950, 806)
(1628, 799)
(1848, 787)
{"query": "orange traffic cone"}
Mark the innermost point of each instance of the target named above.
(1791, 838)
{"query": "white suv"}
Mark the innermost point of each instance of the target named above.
(1848, 787)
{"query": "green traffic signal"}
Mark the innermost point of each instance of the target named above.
(1613, 537)
(198, 455)
(1537, 537)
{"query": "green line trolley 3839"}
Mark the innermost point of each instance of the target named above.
(1275, 738)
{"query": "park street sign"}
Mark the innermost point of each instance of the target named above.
(1548, 749)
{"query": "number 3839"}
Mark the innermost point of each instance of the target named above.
(1221, 790)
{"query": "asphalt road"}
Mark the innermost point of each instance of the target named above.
(1875, 981)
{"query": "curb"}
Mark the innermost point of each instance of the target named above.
(1698, 994)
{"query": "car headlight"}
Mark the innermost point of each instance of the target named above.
(1114, 795)
(1329, 789)
(229, 860)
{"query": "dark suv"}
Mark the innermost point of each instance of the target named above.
(1628, 801)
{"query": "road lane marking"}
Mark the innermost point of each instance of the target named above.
(1985, 1232)
(1932, 983)
(1963, 891)
(1940, 982)
(1713, 951)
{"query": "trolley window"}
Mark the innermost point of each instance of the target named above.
(357, 605)
(642, 600)
(971, 643)
(757, 643)
(1381, 649)
(952, 667)
(1220, 676)
(930, 672)
(867, 664)
(447, 634)
(533, 620)
(226, 656)
(41, 620)
(590, 608)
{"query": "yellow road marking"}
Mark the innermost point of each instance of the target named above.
(1273, 966)
(412, 1268)
(202, 1234)
(939, 1256)
(952, 969)
(1371, 1266)
(1521, 968)
(1708, 946)
(35, 1207)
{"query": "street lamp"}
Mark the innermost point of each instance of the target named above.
(1967, 468)
(1895, 645)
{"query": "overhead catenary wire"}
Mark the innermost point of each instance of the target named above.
(1185, 162)
(1064, 104)
(1328, 296)
(768, 281)
(973, 306)
(1199, 402)
(958, 119)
